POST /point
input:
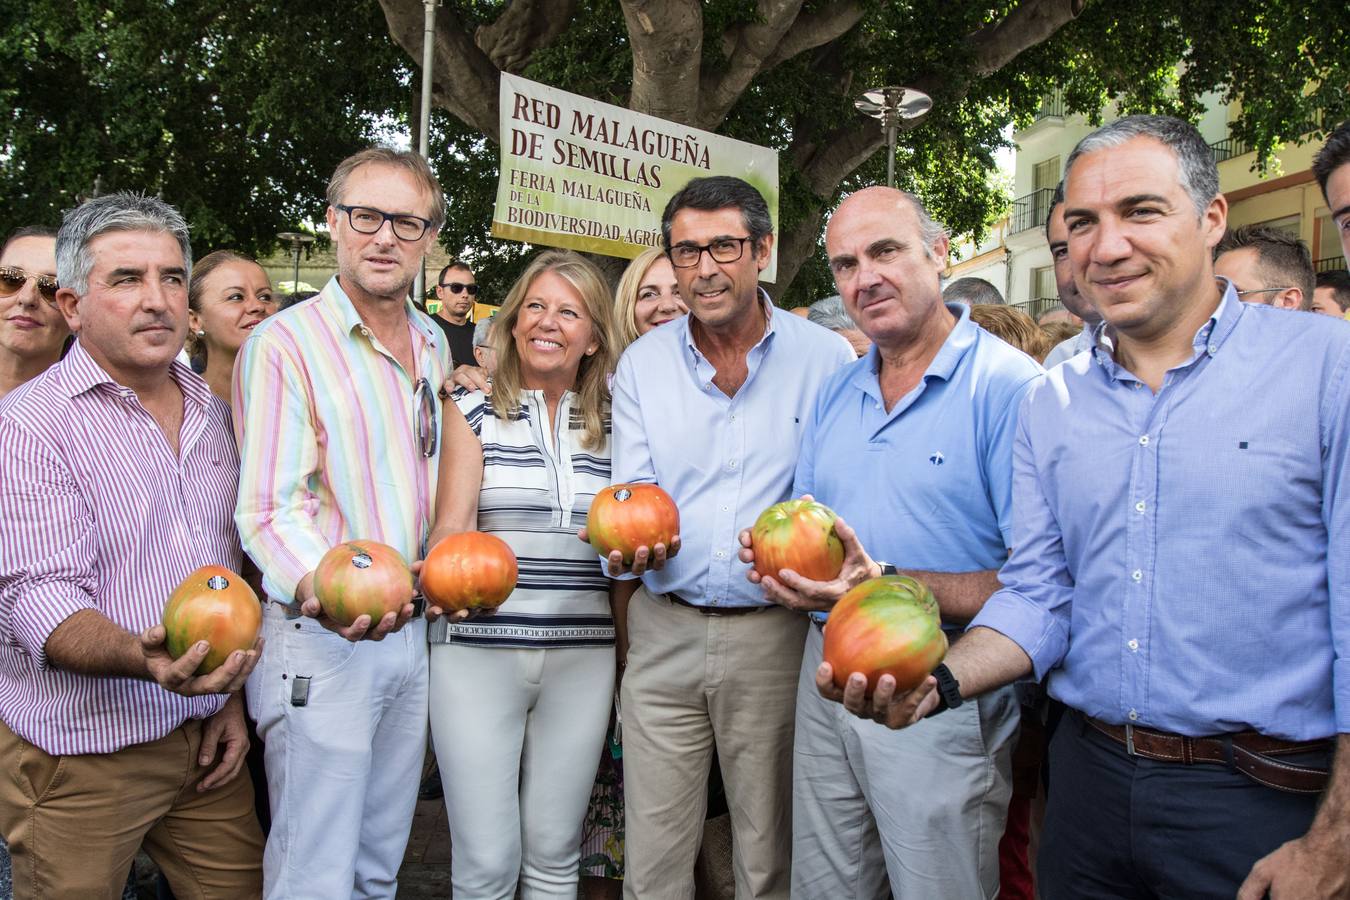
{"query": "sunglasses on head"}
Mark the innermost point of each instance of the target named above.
(455, 287)
(12, 280)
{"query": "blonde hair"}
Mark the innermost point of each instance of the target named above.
(412, 163)
(625, 296)
(592, 383)
(1012, 326)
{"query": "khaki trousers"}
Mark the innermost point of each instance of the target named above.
(74, 823)
(694, 681)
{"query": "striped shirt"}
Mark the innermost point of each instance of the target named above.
(327, 426)
(100, 514)
(537, 490)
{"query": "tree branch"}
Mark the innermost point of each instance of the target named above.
(1028, 24)
(524, 27)
(813, 30)
(667, 41)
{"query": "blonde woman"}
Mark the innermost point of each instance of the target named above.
(520, 699)
(647, 296)
(228, 296)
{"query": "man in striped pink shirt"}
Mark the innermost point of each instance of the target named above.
(117, 479)
(338, 421)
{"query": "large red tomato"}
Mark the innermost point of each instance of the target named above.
(624, 517)
(214, 605)
(362, 578)
(797, 535)
(469, 570)
(887, 624)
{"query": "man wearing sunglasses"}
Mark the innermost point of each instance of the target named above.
(338, 425)
(457, 291)
(32, 330)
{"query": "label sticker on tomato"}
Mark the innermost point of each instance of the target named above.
(217, 583)
(622, 494)
(362, 561)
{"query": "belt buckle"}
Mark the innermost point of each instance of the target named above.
(1129, 740)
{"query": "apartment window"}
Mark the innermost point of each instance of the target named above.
(1328, 245)
(1045, 174)
(1043, 283)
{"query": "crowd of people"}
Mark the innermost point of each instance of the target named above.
(1129, 529)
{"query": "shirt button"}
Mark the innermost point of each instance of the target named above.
(1213, 348)
(708, 386)
(732, 464)
(1139, 507)
(1133, 644)
(721, 554)
(1134, 716)
(1137, 575)
(1143, 440)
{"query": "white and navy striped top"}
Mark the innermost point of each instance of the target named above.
(537, 490)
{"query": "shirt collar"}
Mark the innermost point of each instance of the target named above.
(954, 348)
(765, 303)
(80, 374)
(336, 299)
(1209, 337)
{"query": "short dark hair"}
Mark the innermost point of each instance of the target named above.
(453, 264)
(721, 192)
(1284, 260)
(27, 231)
(1339, 282)
(1334, 154)
(972, 291)
(1055, 200)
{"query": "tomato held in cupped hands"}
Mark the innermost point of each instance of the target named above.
(887, 625)
(469, 570)
(797, 535)
(359, 578)
(624, 517)
(214, 605)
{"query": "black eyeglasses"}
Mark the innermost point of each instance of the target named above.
(369, 220)
(457, 286)
(427, 432)
(12, 280)
(723, 250)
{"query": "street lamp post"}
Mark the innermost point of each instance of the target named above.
(891, 105)
(297, 240)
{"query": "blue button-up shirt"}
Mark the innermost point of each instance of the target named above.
(1170, 564)
(723, 459)
(927, 485)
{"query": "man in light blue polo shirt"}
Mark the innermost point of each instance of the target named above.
(912, 446)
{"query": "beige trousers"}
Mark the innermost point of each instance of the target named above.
(694, 681)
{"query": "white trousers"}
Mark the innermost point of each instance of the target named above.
(914, 813)
(342, 770)
(518, 735)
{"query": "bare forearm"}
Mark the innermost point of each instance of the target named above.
(1333, 815)
(983, 659)
(620, 592)
(89, 643)
(960, 595)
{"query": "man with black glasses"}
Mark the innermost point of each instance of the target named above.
(337, 422)
(457, 290)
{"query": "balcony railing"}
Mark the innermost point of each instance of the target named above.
(1052, 105)
(1035, 308)
(1228, 148)
(1032, 210)
(1329, 264)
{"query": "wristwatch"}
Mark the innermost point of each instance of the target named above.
(887, 568)
(948, 690)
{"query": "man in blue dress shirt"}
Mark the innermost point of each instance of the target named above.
(711, 407)
(912, 446)
(1181, 512)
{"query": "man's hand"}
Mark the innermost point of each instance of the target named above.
(796, 592)
(177, 674)
(362, 629)
(645, 559)
(473, 378)
(226, 733)
(885, 706)
(1303, 869)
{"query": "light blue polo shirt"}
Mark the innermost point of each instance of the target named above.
(927, 485)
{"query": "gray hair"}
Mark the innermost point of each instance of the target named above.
(831, 313)
(112, 212)
(971, 291)
(1199, 176)
(930, 229)
(481, 330)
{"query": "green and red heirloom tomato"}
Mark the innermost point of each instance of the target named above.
(214, 605)
(359, 578)
(885, 625)
(797, 535)
(469, 570)
(624, 517)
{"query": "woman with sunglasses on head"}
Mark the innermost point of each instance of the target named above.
(228, 295)
(520, 699)
(32, 329)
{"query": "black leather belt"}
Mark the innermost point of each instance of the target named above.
(714, 610)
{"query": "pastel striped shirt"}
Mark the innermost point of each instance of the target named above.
(538, 483)
(327, 426)
(99, 514)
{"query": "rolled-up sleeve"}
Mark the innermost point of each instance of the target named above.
(278, 461)
(1034, 605)
(47, 564)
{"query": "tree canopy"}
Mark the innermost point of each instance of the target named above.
(237, 111)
